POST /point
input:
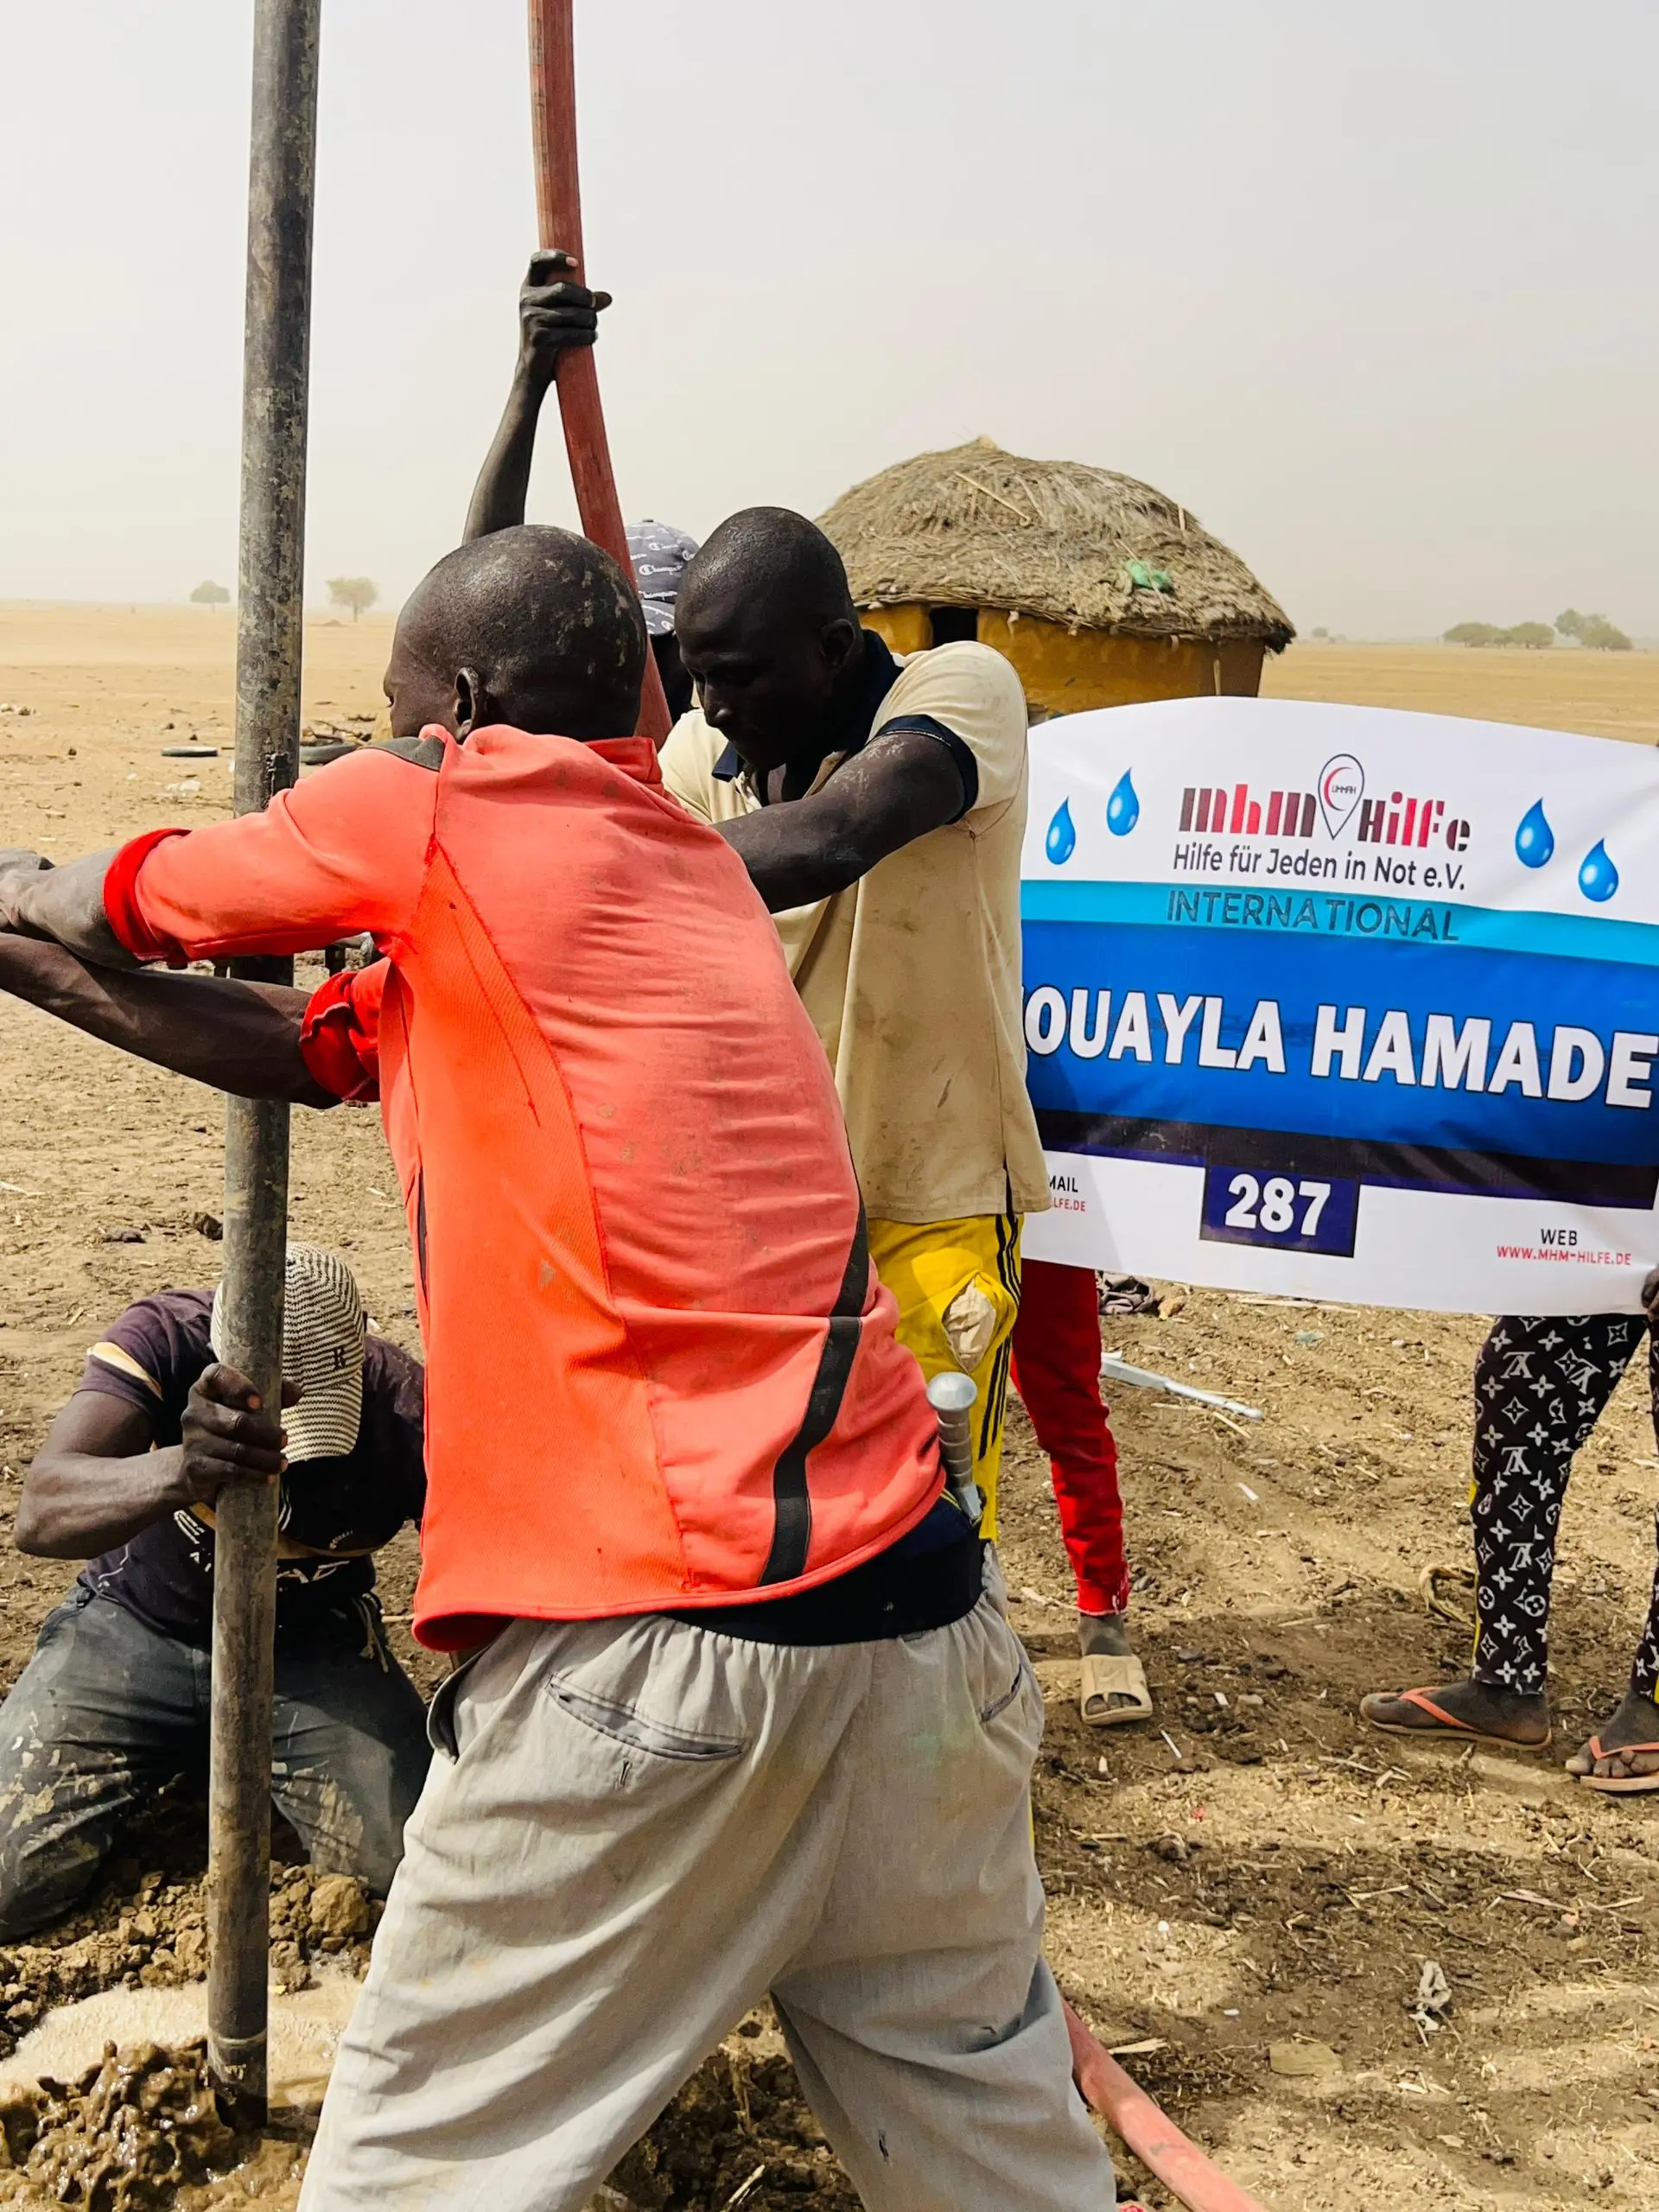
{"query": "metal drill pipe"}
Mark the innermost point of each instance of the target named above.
(270, 640)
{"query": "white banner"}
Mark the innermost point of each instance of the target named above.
(1342, 1002)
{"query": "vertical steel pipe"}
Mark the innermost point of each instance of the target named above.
(270, 641)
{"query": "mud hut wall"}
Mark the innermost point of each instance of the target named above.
(1067, 672)
(907, 629)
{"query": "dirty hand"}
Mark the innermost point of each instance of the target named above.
(18, 869)
(226, 1436)
(554, 314)
(1650, 1297)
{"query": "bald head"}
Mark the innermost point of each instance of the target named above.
(533, 626)
(770, 557)
(767, 628)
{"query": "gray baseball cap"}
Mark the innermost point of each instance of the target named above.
(323, 1329)
(659, 553)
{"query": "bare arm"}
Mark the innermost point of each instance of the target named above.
(95, 1482)
(243, 1038)
(502, 486)
(897, 789)
(552, 315)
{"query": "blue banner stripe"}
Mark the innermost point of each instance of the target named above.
(1154, 1023)
(1343, 913)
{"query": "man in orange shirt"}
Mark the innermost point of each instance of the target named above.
(743, 1720)
(880, 806)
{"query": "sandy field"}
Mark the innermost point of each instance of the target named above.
(1245, 1894)
(1605, 695)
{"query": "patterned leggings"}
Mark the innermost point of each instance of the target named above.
(1540, 1388)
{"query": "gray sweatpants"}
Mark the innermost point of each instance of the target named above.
(638, 1828)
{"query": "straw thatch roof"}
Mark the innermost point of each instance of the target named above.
(979, 527)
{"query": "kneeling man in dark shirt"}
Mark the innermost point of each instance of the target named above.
(115, 1701)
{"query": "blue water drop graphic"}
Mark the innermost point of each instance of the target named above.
(1534, 841)
(1597, 878)
(1062, 840)
(1123, 807)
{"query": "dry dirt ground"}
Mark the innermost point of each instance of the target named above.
(1606, 695)
(1260, 1878)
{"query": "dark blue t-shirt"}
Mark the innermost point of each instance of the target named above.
(150, 1359)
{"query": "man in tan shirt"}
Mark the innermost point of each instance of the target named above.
(880, 806)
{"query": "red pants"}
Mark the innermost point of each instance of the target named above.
(1057, 1373)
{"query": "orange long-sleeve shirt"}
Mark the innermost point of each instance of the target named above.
(661, 1371)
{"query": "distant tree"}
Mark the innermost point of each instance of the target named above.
(1593, 630)
(1471, 633)
(1533, 635)
(1321, 631)
(210, 594)
(355, 592)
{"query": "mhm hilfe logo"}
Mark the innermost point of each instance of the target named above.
(1338, 800)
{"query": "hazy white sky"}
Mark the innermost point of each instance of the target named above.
(1370, 288)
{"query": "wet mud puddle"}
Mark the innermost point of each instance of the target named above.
(107, 2105)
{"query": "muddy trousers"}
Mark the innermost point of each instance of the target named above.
(633, 1832)
(1057, 1374)
(108, 1710)
(1540, 1388)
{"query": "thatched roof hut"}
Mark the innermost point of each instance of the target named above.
(1099, 588)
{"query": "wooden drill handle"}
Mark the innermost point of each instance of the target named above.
(558, 215)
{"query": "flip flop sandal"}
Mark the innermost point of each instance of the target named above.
(1107, 1674)
(1445, 1723)
(1613, 1785)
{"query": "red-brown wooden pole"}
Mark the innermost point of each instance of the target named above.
(558, 214)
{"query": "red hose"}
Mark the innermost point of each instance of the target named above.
(1154, 2139)
(558, 212)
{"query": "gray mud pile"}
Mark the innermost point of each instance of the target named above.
(142, 2131)
(147, 1932)
(740, 2133)
(125, 2135)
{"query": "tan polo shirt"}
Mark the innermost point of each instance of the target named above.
(912, 976)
